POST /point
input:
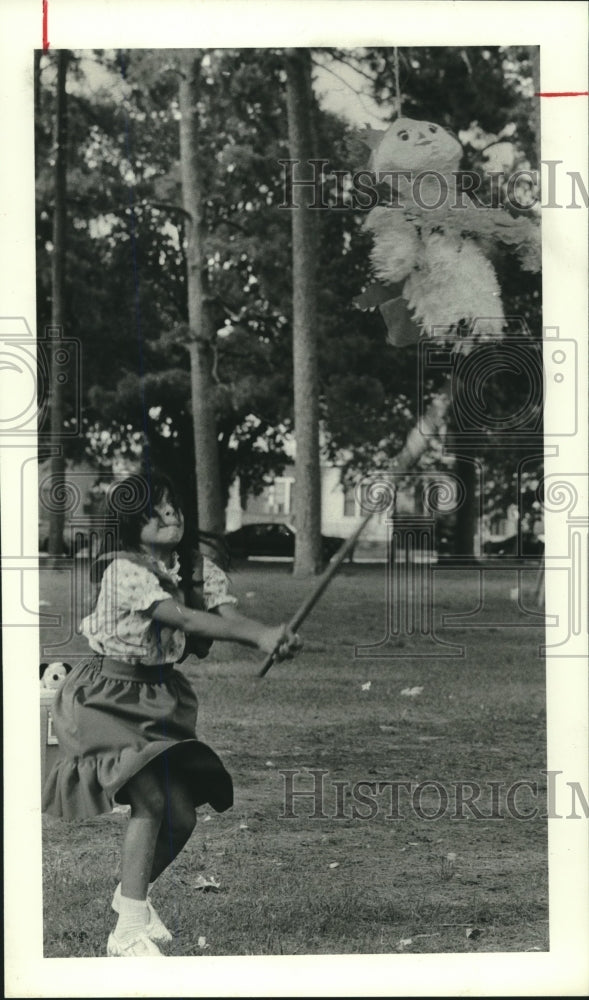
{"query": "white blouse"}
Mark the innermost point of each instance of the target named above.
(119, 625)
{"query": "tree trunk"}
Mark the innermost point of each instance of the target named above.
(300, 106)
(57, 464)
(467, 516)
(202, 333)
(37, 93)
(534, 56)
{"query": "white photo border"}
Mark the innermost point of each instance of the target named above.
(560, 31)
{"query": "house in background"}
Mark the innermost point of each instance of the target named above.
(341, 511)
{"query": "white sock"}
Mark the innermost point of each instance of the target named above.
(133, 915)
(116, 900)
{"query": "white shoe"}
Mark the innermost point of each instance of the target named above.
(155, 927)
(137, 947)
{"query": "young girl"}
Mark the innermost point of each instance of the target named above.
(126, 718)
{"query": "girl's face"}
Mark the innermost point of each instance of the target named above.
(165, 527)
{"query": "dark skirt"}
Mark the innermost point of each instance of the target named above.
(112, 719)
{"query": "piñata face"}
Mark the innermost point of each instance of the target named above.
(416, 146)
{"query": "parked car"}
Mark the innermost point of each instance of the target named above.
(271, 539)
(531, 546)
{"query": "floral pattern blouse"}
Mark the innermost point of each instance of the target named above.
(120, 626)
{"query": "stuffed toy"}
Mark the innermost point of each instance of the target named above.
(51, 675)
(430, 245)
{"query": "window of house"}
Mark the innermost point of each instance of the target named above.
(356, 503)
(349, 501)
(278, 497)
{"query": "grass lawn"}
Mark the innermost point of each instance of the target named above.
(355, 879)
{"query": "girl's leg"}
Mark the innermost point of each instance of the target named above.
(147, 798)
(178, 822)
(156, 791)
(148, 805)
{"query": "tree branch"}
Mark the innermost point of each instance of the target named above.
(361, 72)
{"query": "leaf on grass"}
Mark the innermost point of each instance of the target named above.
(209, 884)
(269, 763)
(243, 826)
(451, 856)
(367, 686)
(202, 942)
(75, 935)
(404, 942)
(411, 692)
(334, 864)
(473, 932)
(207, 818)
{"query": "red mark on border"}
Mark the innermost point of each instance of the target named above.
(45, 36)
(565, 93)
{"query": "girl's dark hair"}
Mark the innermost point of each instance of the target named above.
(132, 502)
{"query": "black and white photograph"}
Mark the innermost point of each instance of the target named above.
(294, 499)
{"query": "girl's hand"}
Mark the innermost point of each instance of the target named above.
(280, 641)
(291, 645)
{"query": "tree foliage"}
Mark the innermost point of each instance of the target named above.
(126, 268)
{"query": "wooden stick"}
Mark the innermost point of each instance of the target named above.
(539, 585)
(415, 445)
(323, 581)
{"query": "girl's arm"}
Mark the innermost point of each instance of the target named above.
(290, 645)
(235, 628)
